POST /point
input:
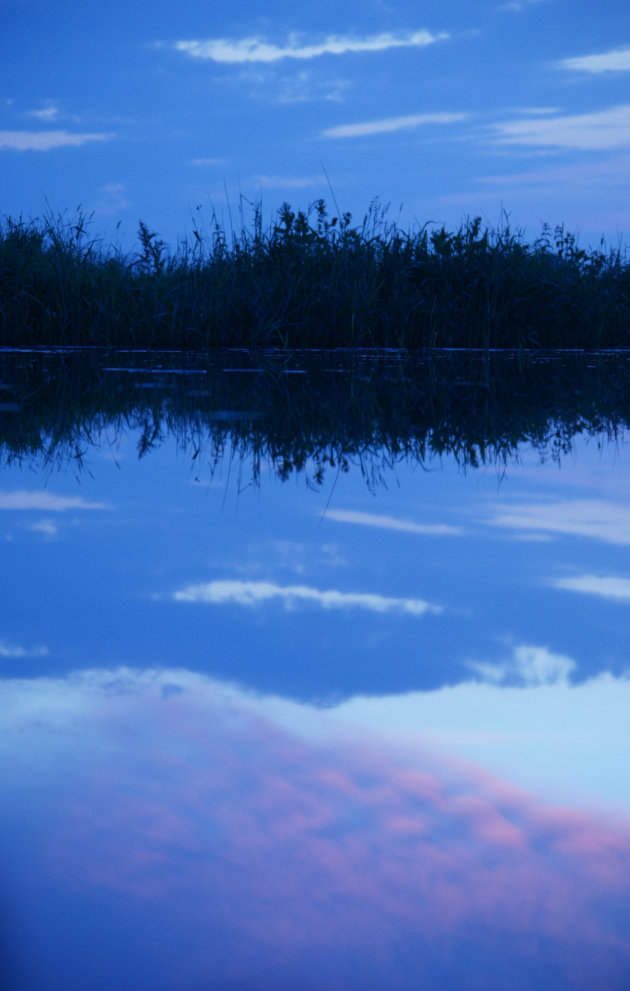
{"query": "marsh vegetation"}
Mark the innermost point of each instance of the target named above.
(311, 280)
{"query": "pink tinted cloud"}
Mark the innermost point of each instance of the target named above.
(341, 852)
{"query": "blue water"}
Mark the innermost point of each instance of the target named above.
(369, 733)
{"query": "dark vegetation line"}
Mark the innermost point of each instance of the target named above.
(311, 281)
(299, 412)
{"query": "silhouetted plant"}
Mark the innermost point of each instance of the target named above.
(314, 281)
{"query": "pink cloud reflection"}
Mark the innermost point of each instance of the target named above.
(341, 860)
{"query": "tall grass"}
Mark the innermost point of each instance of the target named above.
(311, 280)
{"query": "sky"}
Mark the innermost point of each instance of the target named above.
(171, 113)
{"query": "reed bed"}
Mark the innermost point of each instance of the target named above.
(311, 280)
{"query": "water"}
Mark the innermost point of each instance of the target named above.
(362, 728)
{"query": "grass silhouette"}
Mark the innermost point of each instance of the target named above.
(311, 280)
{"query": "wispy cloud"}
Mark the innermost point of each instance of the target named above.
(390, 124)
(603, 129)
(608, 170)
(209, 162)
(616, 589)
(598, 518)
(518, 6)
(538, 111)
(46, 140)
(616, 60)
(528, 666)
(8, 649)
(45, 113)
(47, 501)
(254, 593)
(46, 527)
(113, 198)
(287, 182)
(255, 49)
(302, 87)
(392, 523)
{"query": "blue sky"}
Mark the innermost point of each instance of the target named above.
(443, 110)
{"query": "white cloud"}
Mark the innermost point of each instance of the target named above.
(603, 129)
(219, 162)
(617, 60)
(529, 666)
(392, 523)
(390, 124)
(287, 182)
(22, 499)
(113, 198)
(46, 140)
(253, 593)
(609, 170)
(46, 527)
(538, 111)
(518, 6)
(597, 518)
(567, 741)
(15, 650)
(302, 87)
(617, 589)
(46, 113)
(254, 49)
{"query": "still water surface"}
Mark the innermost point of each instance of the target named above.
(365, 734)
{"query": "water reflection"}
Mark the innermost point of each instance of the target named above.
(315, 411)
(229, 850)
(312, 733)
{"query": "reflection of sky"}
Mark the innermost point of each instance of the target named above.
(323, 594)
(402, 660)
(183, 821)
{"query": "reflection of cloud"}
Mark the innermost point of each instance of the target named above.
(46, 140)
(390, 124)
(616, 60)
(528, 666)
(565, 740)
(392, 523)
(588, 132)
(598, 518)
(617, 589)
(253, 593)
(242, 50)
(264, 855)
(23, 499)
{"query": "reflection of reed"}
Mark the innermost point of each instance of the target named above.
(317, 409)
